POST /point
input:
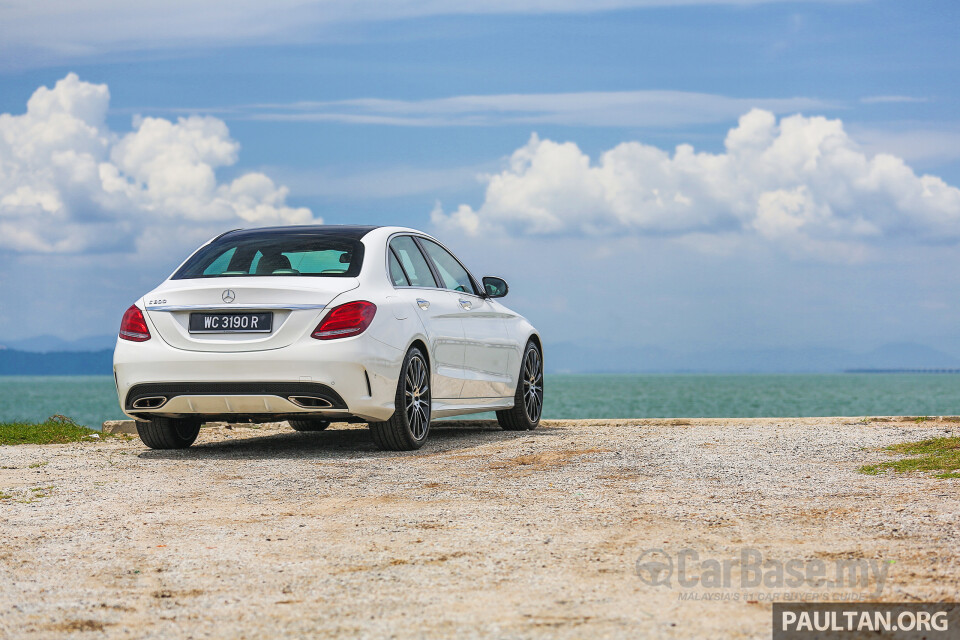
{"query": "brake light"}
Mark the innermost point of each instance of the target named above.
(134, 326)
(350, 319)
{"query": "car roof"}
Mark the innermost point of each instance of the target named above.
(354, 232)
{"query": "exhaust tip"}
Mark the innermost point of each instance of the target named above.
(150, 402)
(310, 402)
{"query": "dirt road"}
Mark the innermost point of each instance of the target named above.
(265, 533)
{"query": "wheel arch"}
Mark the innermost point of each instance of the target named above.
(535, 337)
(422, 344)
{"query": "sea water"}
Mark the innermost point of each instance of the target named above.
(92, 399)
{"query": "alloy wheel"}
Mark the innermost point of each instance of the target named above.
(533, 384)
(416, 390)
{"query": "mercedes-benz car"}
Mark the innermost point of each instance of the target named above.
(315, 324)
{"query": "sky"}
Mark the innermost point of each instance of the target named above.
(685, 175)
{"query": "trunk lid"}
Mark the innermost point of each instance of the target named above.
(295, 302)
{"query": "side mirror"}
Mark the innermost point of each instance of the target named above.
(495, 287)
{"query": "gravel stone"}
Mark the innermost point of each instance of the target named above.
(260, 531)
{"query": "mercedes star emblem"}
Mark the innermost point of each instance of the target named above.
(229, 296)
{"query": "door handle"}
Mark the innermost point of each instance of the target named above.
(423, 304)
(465, 304)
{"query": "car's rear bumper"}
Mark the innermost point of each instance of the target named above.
(349, 377)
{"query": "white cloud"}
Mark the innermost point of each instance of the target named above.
(922, 144)
(62, 29)
(69, 184)
(802, 183)
(383, 183)
(892, 99)
(588, 108)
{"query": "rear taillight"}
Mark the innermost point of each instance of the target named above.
(134, 326)
(347, 320)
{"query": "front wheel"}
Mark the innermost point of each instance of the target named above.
(168, 433)
(528, 401)
(409, 425)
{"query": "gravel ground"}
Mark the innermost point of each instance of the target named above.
(264, 532)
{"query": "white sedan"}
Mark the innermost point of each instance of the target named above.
(314, 324)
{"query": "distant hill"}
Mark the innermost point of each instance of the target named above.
(56, 363)
(49, 344)
(559, 358)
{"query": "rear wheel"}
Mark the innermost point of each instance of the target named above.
(407, 429)
(168, 433)
(528, 401)
(309, 425)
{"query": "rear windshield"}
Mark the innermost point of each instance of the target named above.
(314, 255)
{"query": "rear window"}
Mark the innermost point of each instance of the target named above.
(314, 255)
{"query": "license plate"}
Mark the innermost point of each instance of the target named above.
(231, 322)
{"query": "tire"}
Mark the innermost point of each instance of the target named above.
(168, 433)
(528, 401)
(409, 426)
(309, 425)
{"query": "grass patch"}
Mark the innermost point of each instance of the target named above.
(54, 430)
(941, 455)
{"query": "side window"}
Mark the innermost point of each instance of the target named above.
(414, 264)
(451, 271)
(396, 271)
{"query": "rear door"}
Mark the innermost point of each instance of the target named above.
(437, 309)
(487, 345)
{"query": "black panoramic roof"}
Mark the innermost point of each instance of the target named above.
(354, 232)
